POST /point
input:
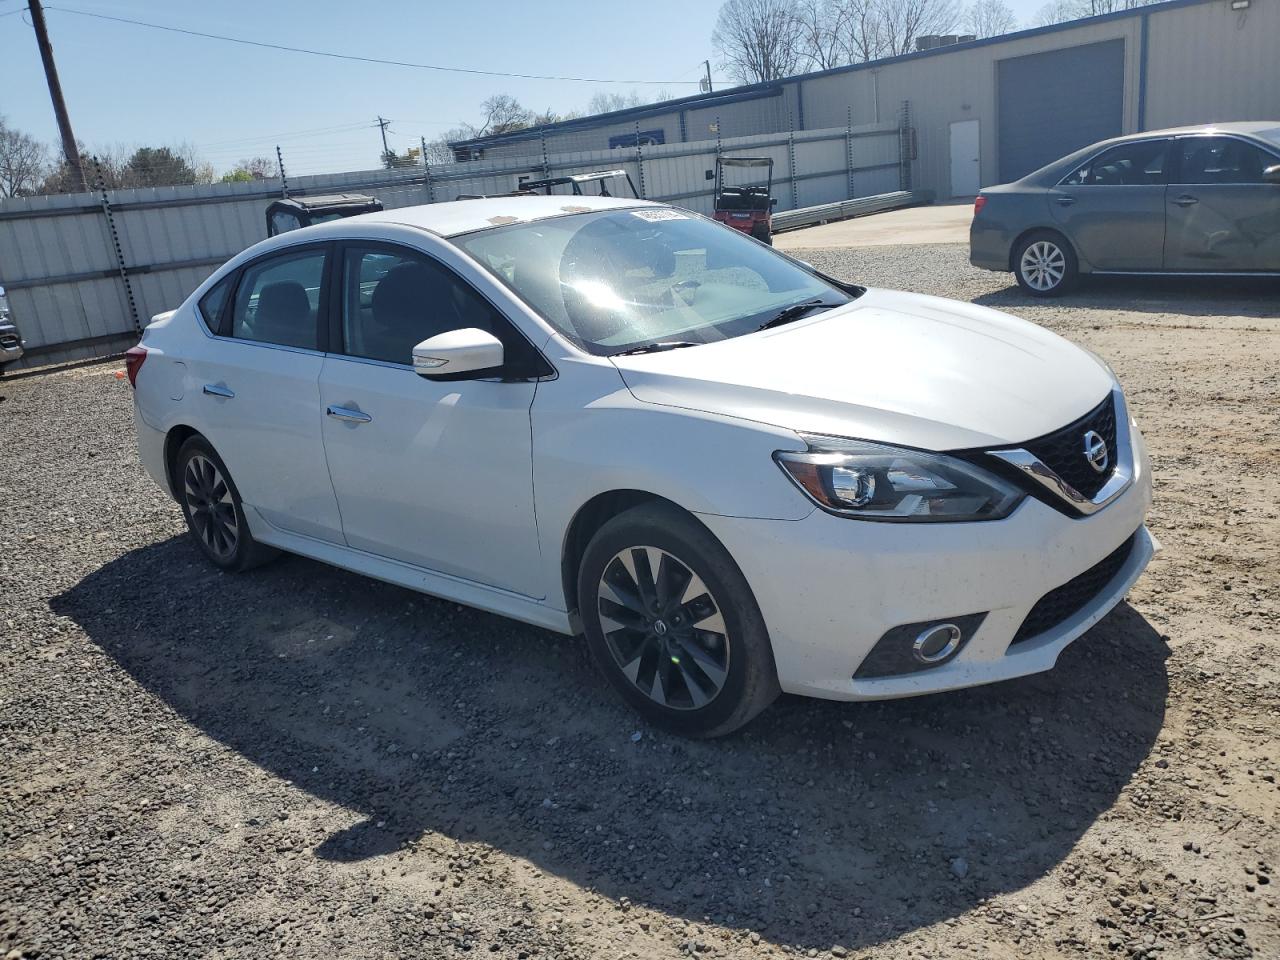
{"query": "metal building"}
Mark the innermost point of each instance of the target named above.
(986, 111)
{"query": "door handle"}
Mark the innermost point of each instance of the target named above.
(1065, 201)
(1186, 201)
(348, 415)
(217, 390)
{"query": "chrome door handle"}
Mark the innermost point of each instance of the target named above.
(217, 390)
(348, 415)
(1065, 201)
(1186, 201)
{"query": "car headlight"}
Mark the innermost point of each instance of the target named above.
(871, 481)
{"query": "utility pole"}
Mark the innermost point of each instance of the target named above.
(383, 124)
(707, 82)
(69, 148)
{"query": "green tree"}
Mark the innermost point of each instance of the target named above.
(157, 167)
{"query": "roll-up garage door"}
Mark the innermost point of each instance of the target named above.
(1053, 103)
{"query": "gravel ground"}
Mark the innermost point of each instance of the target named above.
(305, 763)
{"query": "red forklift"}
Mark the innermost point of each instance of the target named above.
(746, 206)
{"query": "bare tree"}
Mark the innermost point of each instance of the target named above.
(1060, 11)
(24, 161)
(759, 40)
(609, 102)
(502, 114)
(904, 20)
(863, 36)
(989, 18)
(822, 32)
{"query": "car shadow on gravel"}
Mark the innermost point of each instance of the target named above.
(1185, 296)
(820, 824)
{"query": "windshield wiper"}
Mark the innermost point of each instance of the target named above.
(795, 312)
(657, 347)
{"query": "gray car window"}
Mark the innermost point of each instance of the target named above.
(1207, 160)
(1142, 162)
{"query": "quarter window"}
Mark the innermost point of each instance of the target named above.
(394, 299)
(1141, 163)
(278, 301)
(1209, 160)
(213, 305)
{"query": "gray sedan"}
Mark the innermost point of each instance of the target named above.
(1191, 200)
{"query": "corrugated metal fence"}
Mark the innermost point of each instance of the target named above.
(85, 272)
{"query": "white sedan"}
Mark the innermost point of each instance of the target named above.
(733, 474)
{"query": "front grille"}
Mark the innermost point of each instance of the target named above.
(1063, 450)
(1073, 596)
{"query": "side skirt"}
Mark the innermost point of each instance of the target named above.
(467, 592)
(1184, 273)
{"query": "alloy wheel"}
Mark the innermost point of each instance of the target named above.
(1043, 265)
(663, 628)
(209, 503)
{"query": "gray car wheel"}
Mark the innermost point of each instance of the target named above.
(212, 508)
(1045, 264)
(672, 623)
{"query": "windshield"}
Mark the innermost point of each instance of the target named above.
(621, 279)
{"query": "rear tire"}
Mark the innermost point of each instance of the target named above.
(213, 510)
(1045, 265)
(763, 234)
(686, 645)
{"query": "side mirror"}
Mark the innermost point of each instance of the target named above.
(448, 355)
(1271, 174)
(773, 201)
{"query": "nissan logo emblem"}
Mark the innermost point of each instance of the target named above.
(1095, 451)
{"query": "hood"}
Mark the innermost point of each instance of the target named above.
(894, 367)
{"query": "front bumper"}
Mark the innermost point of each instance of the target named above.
(830, 587)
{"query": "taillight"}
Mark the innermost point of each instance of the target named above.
(978, 204)
(133, 360)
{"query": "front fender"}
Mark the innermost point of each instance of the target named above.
(592, 436)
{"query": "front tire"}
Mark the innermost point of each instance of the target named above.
(213, 510)
(1045, 265)
(673, 625)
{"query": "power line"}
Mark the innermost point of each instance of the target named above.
(340, 128)
(347, 56)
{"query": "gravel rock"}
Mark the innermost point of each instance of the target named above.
(200, 764)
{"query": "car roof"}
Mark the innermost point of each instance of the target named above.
(1255, 129)
(448, 219)
(1248, 127)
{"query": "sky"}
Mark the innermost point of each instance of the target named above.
(129, 85)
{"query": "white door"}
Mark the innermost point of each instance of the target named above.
(436, 474)
(259, 391)
(965, 176)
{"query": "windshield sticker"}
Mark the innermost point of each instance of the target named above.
(653, 215)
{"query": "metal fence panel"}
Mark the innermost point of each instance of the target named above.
(64, 279)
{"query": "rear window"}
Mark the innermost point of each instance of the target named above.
(1272, 135)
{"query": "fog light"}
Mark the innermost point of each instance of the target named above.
(912, 647)
(935, 644)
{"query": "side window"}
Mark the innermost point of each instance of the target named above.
(1142, 163)
(213, 305)
(1221, 160)
(394, 299)
(278, 300)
